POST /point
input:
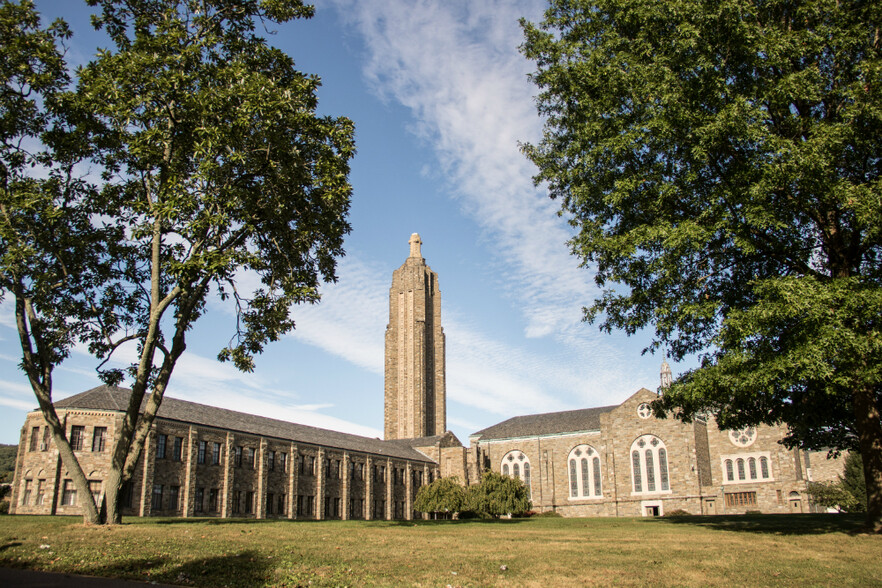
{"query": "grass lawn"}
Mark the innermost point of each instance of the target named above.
(770, 550)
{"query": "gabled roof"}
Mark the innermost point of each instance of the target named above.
(549, 423)
(447, 439)
(117, 399)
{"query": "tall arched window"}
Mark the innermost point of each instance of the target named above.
(649, 465)
(740, 463)
(730, 471)
(518, 462)
(585, 481)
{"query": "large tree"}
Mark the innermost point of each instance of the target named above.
(720, 161)
(211, 170)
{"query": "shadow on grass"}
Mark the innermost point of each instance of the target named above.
(247, 568)
(777, 524)
(8, 545)
(385, 523)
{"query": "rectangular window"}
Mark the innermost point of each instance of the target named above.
(250, 454)
(249, 502)
(280, 509)
(68, 494)
(178, 448)
(283, 462)
(200, 455)
(212, 500)
(271, 461)
(269, 503)
(327, 467)
(360, 471)
(383, 474)
(45, 445)
(127, 494)
(76, 437)
(215, 453)
(161, 441)
(310, 505)
(156, 503)
(95, 490)
(26, 493)
(198, 500)
(237, 498)
(99, 438)
(237, 456)
(300, 504)
(41, 490)
(741, 499)
(35, 439)
(173, 492)
(338, 466)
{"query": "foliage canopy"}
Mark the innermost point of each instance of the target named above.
(443, 496)
(215, 176)
(721, 164)
(498, 495)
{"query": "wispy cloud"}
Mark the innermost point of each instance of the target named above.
(455, 65)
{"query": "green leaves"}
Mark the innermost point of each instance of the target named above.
(721, 163)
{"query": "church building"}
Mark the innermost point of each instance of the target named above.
(616, 460)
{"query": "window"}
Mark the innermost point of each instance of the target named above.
(199, 500)
(76, 437)
(26, 493)
(251, 456)
(359, 471)
(173, 492)
(237, 456)
(41, 491)
(283, 462)
(45, 445)
(741, 499)
(212, 500)
(35, 439)
(743, 437)
(249, 502)
(269, 503)
(215, 453)
(127, 493)
(95, 490)
(649, 465)
(178, 448)
(68, 494)
(161, 441)
(520, 467)
(280, 507)
(746, 467)
(237, 499)
(156, 503)
(271, 461)
(338, 466)
(99, 436)
(383, 474)
(200, 454)
(584, 472)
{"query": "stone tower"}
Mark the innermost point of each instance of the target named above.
(416, 399)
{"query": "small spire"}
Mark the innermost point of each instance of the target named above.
(415, 243)
(666, 376)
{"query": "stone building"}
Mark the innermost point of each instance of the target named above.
(614, 460)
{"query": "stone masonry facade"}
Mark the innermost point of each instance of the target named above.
(606, 461)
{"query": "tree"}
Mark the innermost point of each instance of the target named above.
(848, 493)
(214, 171)
(721, 164)
(498, 495)
(444, 496)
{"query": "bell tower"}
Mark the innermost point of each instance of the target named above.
(415, 394)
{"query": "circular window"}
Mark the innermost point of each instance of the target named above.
(743, 437)
(644, 411)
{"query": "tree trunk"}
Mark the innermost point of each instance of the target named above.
(112, 488)
(869, 429)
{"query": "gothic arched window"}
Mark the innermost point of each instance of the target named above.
(649, 465)
(584, 469)
(518, 462)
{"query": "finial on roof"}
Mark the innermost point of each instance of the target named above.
(415, 243)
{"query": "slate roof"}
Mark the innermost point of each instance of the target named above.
(549, 423)
(447, 439)
(116, 399)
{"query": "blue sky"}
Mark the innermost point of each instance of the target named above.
(440, 99)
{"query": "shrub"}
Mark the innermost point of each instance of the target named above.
(678, 512)
(443, 496)
(548, 514)
(498, 495)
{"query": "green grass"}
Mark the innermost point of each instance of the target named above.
(782, 550)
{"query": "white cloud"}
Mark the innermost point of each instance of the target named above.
(456, 66)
